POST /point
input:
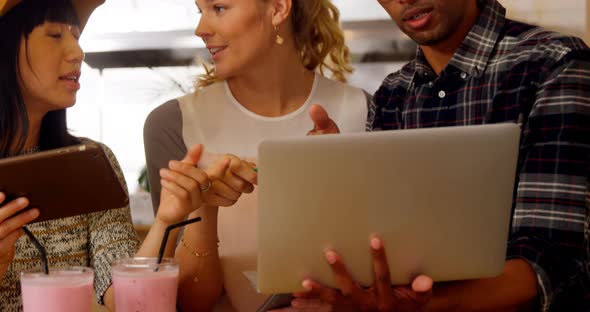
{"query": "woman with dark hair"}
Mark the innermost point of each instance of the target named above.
(40, 61)
(20, 126)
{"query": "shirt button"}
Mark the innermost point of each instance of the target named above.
(463, 75)
(442, 94)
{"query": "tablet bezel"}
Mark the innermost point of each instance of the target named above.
(64, 182)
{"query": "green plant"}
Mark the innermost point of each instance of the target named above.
(143, 180)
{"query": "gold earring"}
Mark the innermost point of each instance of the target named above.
(279, 40)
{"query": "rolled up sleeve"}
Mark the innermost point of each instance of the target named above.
(551, 220)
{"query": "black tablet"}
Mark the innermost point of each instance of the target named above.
(63, 182)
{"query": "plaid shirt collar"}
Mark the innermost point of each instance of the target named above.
(474, 53)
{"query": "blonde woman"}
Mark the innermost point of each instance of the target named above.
(270, 58)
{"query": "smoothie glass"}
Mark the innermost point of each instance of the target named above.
(141, 284)
(62, 290)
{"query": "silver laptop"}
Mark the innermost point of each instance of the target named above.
(440, 198)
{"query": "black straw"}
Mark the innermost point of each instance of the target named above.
(39, 248)
(167, 232)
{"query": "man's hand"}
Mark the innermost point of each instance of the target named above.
(380, 297)
(322, 124)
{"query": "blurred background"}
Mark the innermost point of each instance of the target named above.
(141, 53)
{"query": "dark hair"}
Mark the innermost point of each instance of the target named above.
(15, 26)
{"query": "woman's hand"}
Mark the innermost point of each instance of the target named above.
(237, 178)
(183, 186)
(11, 228)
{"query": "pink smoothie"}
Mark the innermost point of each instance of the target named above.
(63, 290)
(139, 288)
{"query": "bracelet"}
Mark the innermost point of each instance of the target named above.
(196, 254)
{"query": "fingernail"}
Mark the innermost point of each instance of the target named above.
(22, 201)
(423, 283)
(173, 164)
(376, 243)
(331, 257)
(307, 285)
(34, 213)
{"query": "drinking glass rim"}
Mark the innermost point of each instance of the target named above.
(72, 276)
(69, 269)
(143, 263)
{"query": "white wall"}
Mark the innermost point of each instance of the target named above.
(122, 16)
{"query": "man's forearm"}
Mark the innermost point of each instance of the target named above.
(514, 290)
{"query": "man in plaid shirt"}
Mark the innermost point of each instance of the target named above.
(474, 66)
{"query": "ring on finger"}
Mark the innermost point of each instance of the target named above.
(207, 187)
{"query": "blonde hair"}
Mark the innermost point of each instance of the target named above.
(318, 38)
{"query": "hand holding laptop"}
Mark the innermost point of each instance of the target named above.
(382, 296)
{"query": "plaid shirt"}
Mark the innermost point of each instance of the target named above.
(506, 71)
